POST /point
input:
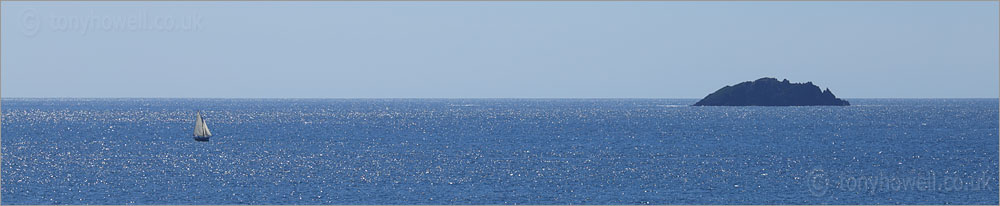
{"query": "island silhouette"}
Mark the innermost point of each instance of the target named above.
(769, 91)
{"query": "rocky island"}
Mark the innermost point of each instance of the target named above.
(771, 92)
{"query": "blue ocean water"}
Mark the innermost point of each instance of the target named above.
(497, 151)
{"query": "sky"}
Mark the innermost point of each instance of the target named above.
(495, 49)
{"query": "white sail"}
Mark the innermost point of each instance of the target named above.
(205, 127)
(200, 128)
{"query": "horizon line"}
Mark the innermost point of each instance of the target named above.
(695, 98)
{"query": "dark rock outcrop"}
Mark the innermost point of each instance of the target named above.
(771, 92)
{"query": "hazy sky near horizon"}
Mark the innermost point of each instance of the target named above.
(495, 49)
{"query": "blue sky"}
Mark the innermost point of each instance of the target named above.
(495, 49)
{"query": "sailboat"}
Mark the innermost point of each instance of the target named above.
(201, 132)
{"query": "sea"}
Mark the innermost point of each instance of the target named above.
(497, 151)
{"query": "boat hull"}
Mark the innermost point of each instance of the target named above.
(201, 139)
